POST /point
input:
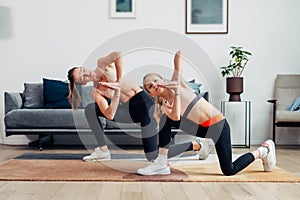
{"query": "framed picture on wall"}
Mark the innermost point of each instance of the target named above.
(122, 9)
(206, 16)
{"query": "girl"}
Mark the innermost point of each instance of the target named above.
(179, 106)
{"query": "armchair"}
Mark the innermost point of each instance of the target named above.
(287, 89)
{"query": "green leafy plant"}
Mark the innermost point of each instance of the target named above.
(238, 61)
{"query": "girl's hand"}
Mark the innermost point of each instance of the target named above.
(110, 85)
(115, 86)
(178, 60)
(177, 74)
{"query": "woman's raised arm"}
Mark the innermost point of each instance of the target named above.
(114, 57)
(177, 74)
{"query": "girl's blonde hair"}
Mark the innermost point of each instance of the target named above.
(74, 94)
(158, 100)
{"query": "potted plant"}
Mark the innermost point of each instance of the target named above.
(234, 81)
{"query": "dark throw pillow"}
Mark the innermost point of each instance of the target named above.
(55, 94)
(33, 95)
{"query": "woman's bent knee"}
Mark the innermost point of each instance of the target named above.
(89, 108)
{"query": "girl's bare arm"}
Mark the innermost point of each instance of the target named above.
(108, 110)
(114, 57)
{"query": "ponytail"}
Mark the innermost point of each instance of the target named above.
(74, 94)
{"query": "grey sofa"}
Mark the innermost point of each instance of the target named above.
(26, 114)
(41, 121)
(286, 103)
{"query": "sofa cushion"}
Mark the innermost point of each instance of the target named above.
(46, 118)
(287, 116)
(55, 94)
(33, 95)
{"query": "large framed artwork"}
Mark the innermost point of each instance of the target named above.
(122, 9)
(206, 16)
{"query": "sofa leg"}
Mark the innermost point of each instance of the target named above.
(51, 141)
(40, 143)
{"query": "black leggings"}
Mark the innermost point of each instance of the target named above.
(139, 109)
(219, 133)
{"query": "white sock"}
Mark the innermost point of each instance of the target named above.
(200, 143)
(263, 151)
(163, 159)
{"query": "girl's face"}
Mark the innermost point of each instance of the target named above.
(83, 75)
(151, 84)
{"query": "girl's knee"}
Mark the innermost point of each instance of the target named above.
(89, 108)
(229, 172)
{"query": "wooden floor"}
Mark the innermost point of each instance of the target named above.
(288, 158)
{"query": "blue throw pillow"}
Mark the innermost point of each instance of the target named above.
(55, 94)
(295, 106)
(194, 85)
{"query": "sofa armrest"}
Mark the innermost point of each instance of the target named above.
(13, 100)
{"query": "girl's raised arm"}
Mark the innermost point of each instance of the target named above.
(177, 74)
(114, 57)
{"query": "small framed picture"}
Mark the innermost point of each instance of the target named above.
(206, 16)
(122, 9)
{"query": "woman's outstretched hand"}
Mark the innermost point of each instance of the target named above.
(111, 85)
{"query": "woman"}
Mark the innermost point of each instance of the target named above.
(179, 106)
(137, 106)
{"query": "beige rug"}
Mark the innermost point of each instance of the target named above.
(124, 170)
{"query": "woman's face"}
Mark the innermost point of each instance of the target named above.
(151, 84)
(83, 75)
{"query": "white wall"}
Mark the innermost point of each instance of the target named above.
(47, 37)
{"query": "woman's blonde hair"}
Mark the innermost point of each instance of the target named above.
(74, 94)
(158, 100)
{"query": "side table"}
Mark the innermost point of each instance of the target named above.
(238, 115)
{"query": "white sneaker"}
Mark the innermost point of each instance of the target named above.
(157, 167)
(97, 155)
(269, 161)
(206, 147)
